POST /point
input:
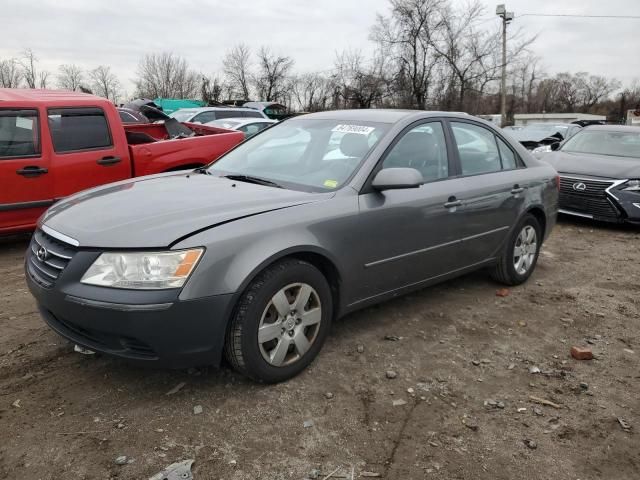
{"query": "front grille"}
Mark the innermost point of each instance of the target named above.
(47, 258)
(593, 200)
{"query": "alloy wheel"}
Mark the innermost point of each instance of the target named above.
(289, 324)
(525, 250)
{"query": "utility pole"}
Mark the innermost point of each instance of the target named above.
(501, 11)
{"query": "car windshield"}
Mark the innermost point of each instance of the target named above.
(603, 142)
(304, 154)
(182, 115)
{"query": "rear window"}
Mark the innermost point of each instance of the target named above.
(74, 129)
(19, 133)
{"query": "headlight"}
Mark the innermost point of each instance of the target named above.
(144, 271)
(542, 149)
(632, 186)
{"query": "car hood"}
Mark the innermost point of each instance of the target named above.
(594, 165)
(156, 211)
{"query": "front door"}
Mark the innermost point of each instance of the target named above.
(410, 235)
(84, 154)
(25, 178)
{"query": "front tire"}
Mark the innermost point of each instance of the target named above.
(280, 322)
(519, 257)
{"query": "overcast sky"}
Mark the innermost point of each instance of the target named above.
(118, 32)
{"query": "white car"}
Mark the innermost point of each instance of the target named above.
(209, 114)
(248, 126)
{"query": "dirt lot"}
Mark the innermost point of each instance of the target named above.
(453, 347)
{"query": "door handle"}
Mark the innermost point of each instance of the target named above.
(106, 161)
(32, 171)
(517, 189)
(452, 203)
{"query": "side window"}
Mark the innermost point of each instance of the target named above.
(423, 148)
(252, 114)
(226, 114)
(509, 160)
(205, 117)
(74, 129)
(477, 149)
(19, 133)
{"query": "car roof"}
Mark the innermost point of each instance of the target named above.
(213, 109)
(613, 128)
(381, 115)
(244, 120)
(47, 96)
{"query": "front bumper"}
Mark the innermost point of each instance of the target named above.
(151, 327)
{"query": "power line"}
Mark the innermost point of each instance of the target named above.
(630, 17)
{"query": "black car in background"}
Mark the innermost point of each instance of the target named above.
(599, 171)
(538, 137)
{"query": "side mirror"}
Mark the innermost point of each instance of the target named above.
(397, 178)
(555, 146)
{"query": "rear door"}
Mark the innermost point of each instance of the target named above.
(84, 152)
(25, 174)
(490, 186)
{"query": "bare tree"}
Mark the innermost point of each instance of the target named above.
(595, 88)
(29, 68)
(104, 83)
(10, 74)
(312, 91)
(405, 36)
(211, 88)
(69, 77)
(358, 84)
(271, 77)
(43, 79)
(237, 65)
(166, 75)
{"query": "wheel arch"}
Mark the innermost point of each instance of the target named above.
(314, 255)
(539, 214)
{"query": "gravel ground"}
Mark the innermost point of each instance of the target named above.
(469, 368)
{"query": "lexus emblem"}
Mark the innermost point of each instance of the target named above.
(42, 254)
(579, 187)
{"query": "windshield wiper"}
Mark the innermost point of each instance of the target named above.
(202, 170)
(250, 179)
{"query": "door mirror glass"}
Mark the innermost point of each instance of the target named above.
(397, 178)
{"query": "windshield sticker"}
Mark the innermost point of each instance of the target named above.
(330, 183)
(359, 129)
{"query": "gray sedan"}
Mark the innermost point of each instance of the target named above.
(252, 257)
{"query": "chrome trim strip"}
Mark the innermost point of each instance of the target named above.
(427, 249)
(57, 267)
(40, 269)
(613, 185)
(488, 261)
(576, 214)
(52, 252)
(590, 179)
(123, 307)
(60, 236)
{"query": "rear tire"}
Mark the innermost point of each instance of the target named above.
(280, 322)
(519, 256)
